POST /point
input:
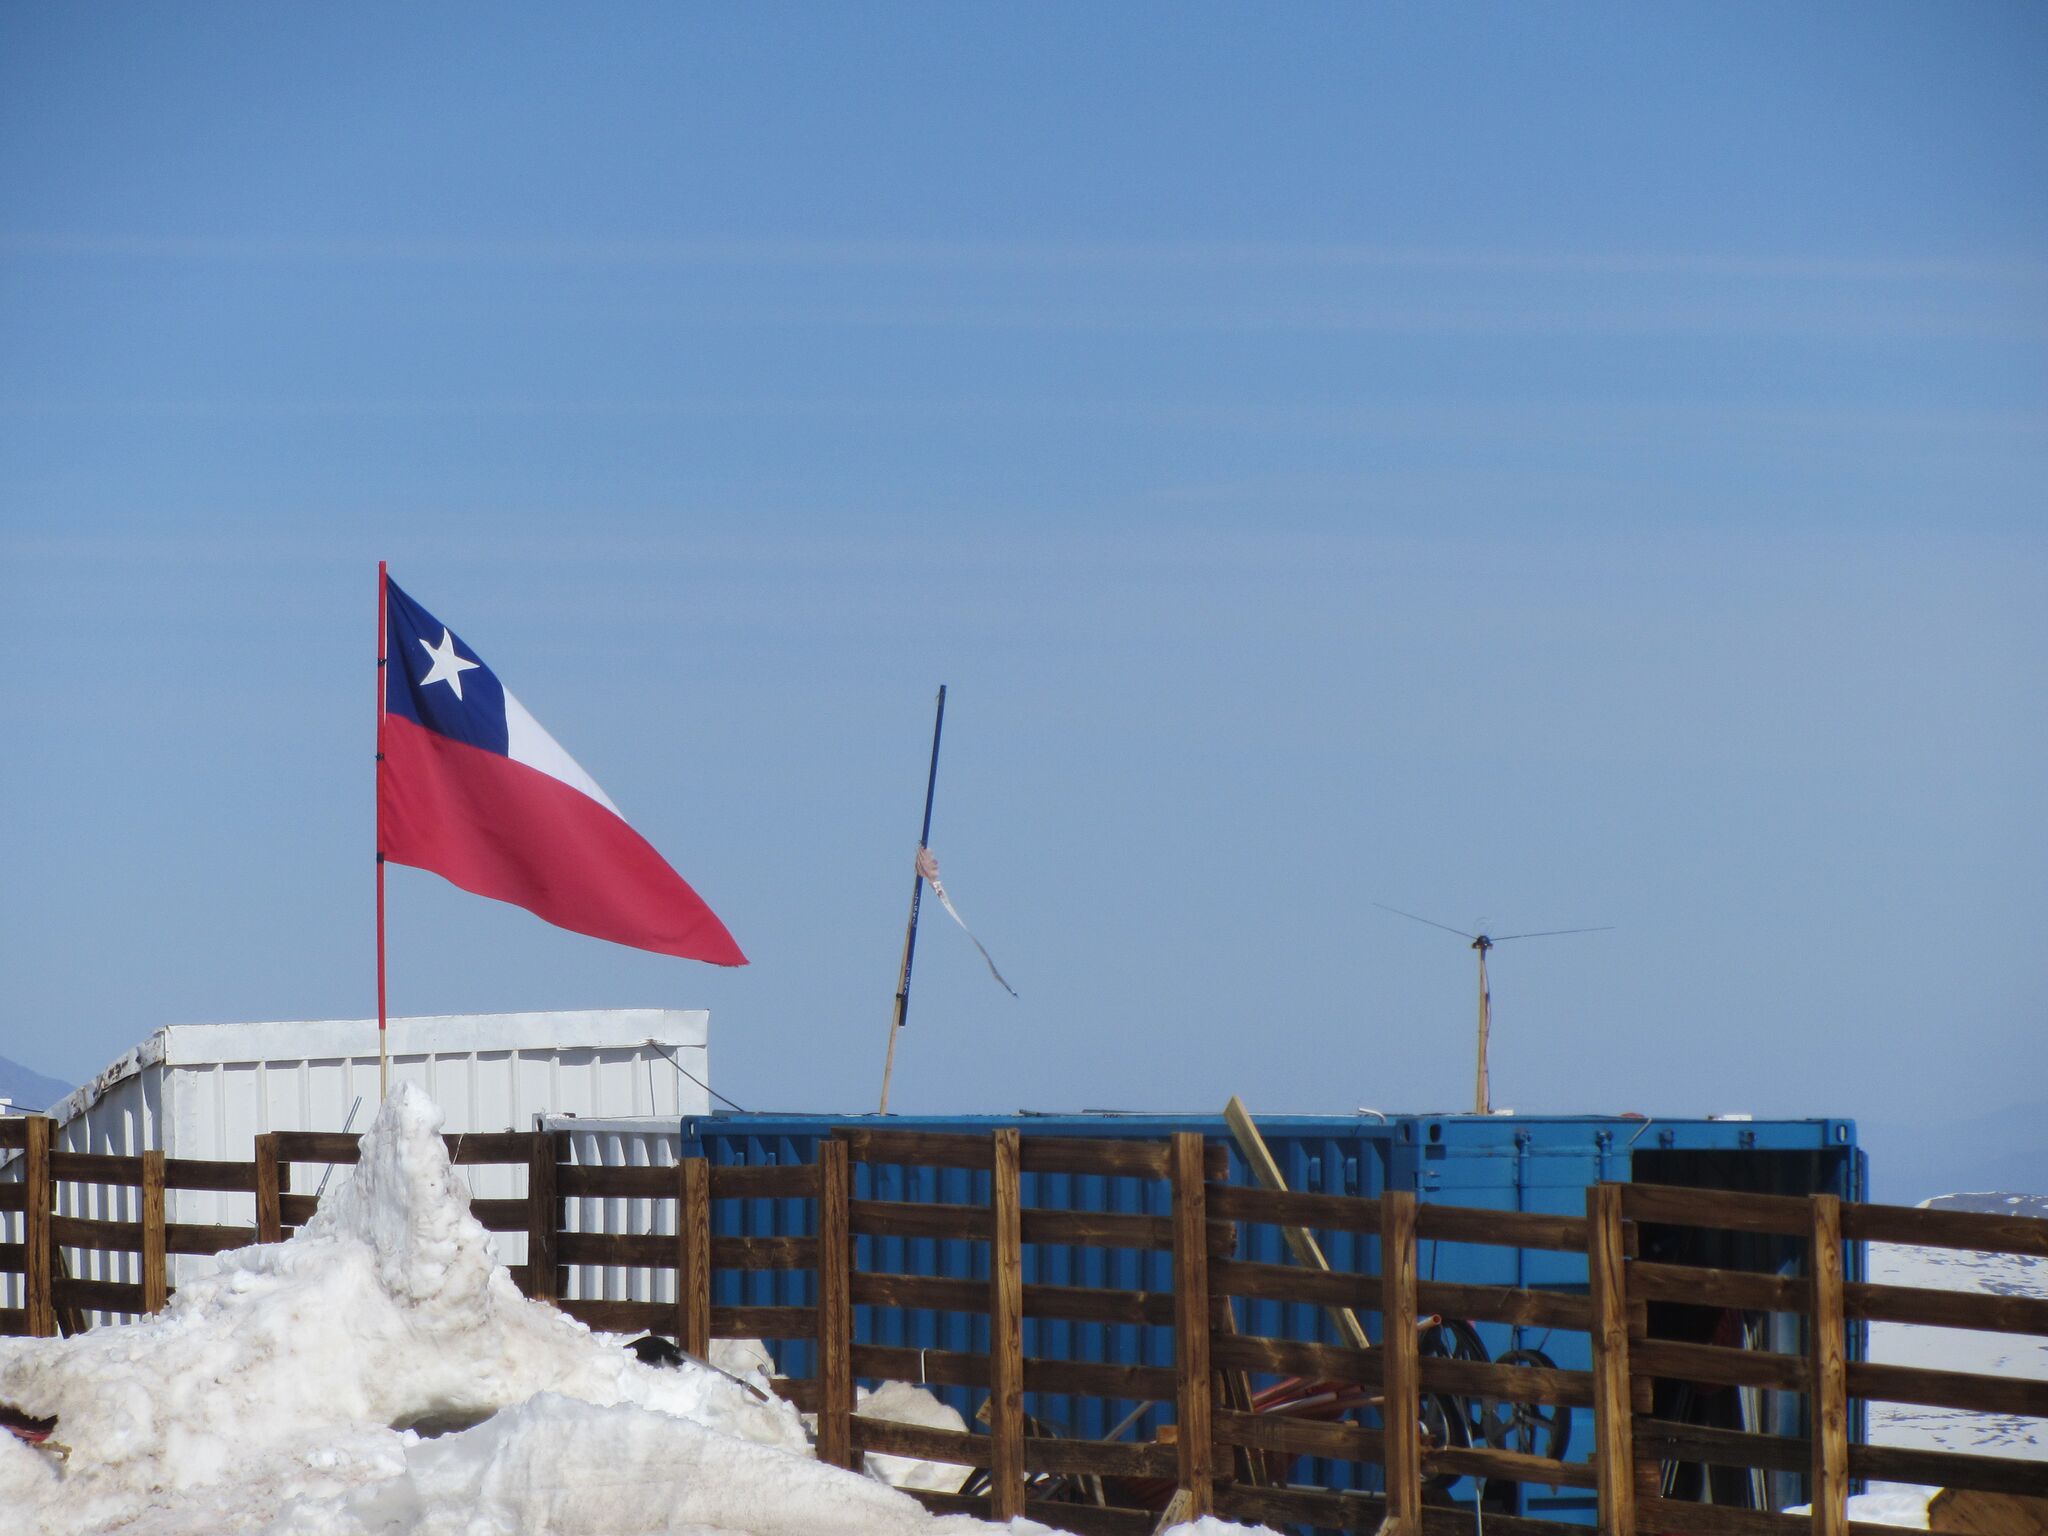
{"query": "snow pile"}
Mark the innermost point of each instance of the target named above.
(299, 1390)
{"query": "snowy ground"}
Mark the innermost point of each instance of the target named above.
(379, 1374)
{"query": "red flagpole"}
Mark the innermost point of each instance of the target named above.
(383, 1058)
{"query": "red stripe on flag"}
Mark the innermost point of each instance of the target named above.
(501, 829)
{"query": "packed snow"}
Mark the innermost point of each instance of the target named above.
(379, 1374)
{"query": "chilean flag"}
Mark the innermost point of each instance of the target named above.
(470, 787)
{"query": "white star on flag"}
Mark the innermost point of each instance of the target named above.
(448, 667)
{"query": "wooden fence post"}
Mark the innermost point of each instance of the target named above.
(39, 1255)
(693, 1258)
(1830, 1375)
(1006, 1329)
(156, 1280)
(1400, 1361)
(543, 1216)
(269, 1209)
(835, 1307)
(1613, 1416)
(1192, 1320)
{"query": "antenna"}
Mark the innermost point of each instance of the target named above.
(1481, 943)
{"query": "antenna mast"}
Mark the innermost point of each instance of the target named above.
(1482, 1096)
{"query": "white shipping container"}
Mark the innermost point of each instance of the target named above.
(208, 1090)
(620, 1142)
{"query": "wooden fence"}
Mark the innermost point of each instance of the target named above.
(1236, 1414)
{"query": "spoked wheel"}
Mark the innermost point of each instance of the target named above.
(1451, 1422)
(1534, 1429)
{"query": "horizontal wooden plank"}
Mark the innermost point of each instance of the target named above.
(1082, 1519)
(1946, 1309)
(1667, 1440)
(1077, 1303)
(1293, 1282)
(1100, 1458)
(209, 1173)
(99, 1236)
(804, 1393)
(96, 1168)
(1945, 1229)
(785, 1181)
(1505, 1304)
(1288, 1357)
(958, 1368)
(1510, 1383)
(763, 1252)
(764, 1322)
(1724, 1209)
(469, 1148)
(202, 1238)
(625, 1249)
(1679, 1517)
(885, 1437)
(318, 1146)
(502, 1215)
(1948, 1469)
(1500, 1229)
(13, 1320)
(97, 1295)
(1713, 1365)
(1099, 1156)
(1739, 1289)
(924, 1291)
(1292, 1208)
(1281, 1508)
(1507, 1467)
(621, 1316)
(902, 1218)
(1097, 1229)
(297, 1210)
(1088, 1304)
(12, 1257)
(13, 1197)
(917, 1149)
(600, 1181)
(1296, 1437)
(13, 1132)
(1949, 1389)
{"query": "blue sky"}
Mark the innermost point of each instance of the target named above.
(1534, 467)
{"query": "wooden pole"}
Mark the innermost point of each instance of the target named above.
(693, 1260)
(1006, 1330)
(543, 1217)
(156, 1280)
(1400, 1361)
(901, 1011)
(269, 1208)
(1259, 1158)
(1482, 1102)
(1192, 1318)
(1613, 1420)
(835, 1306)
(39, 1256)
(1830, 1375)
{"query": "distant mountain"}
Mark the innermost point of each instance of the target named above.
(1998, 1149)
(29, 1090)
